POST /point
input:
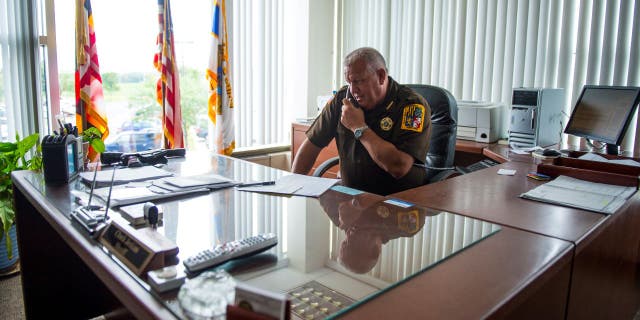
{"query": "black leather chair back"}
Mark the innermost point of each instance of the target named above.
(444, 125)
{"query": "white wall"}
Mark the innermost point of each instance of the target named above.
(308, 54)
(321, 31)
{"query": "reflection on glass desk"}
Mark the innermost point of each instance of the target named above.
(336, 251)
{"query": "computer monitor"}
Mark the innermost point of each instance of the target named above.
(603, 113)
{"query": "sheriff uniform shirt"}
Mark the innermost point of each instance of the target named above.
(403, 118)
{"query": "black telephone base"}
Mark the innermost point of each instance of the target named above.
(90, 222)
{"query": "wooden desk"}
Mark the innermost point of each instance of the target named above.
(475, 292)
(605, 273)
(63, 273)
(511, 274)
(605, 281)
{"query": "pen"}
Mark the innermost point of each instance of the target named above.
(264, 183)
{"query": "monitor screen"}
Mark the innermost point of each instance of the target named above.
(71, 157)
(603, 113)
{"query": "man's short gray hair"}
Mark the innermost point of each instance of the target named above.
(371, 56)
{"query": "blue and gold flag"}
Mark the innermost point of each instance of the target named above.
(219, 76)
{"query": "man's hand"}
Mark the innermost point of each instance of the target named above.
(352, 117)
(397, 163)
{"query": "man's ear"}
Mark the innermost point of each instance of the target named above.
(382, 75)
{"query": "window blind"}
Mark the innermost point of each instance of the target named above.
(257, 71)
(19, 67)
(481, 50)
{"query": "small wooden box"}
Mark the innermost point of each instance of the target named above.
(595, 171)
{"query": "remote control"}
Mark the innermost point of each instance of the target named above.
(230, 250)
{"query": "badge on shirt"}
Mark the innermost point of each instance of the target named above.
(408, 221)
(413, 117)
(383, 212)
(386, 123)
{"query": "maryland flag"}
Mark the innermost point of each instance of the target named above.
(168, 88)
(218, 74)
(89, 96)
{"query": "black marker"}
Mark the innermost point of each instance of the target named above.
(264, 183)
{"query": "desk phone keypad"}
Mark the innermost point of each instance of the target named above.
(230, 250)
(486, 163)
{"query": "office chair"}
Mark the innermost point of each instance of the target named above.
(442, 145)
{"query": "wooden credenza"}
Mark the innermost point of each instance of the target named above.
(298, 136)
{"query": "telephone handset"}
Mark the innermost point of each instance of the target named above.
(351, 98)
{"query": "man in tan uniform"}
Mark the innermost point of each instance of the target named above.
(381, 129)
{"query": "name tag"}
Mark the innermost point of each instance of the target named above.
(140, 250)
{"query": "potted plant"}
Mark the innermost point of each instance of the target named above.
(13, 156)
(92, 137)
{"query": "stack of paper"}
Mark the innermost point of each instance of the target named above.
(137, 192)
(123, 175)
(581, 194)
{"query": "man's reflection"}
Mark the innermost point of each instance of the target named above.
(369, 222)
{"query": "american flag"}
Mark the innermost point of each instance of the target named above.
(89, 96)
(168, 88)
(218, 74)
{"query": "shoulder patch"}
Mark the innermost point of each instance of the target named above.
(413, 117)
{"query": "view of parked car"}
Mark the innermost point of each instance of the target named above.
(202, 127)
(133, 141)
(138, 125)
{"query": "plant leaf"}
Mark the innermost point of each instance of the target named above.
(8, 146)
(6, 217)
(27, 143)
(24, 146)
(10, 155)
(98, 145)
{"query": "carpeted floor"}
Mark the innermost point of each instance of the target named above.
(11, 298)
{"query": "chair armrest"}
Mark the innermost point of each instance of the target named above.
(323, 167)
(445, 174)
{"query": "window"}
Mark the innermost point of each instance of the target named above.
(125, 39)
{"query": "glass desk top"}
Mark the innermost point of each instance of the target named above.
(334, 252)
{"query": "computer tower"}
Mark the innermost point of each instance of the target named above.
(536, 117)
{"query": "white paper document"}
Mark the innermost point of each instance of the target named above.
(524, 150)
(196, 181)
(296, 184)
(594, 157)
(572, 192)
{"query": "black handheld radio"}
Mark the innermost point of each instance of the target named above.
(60, 158)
